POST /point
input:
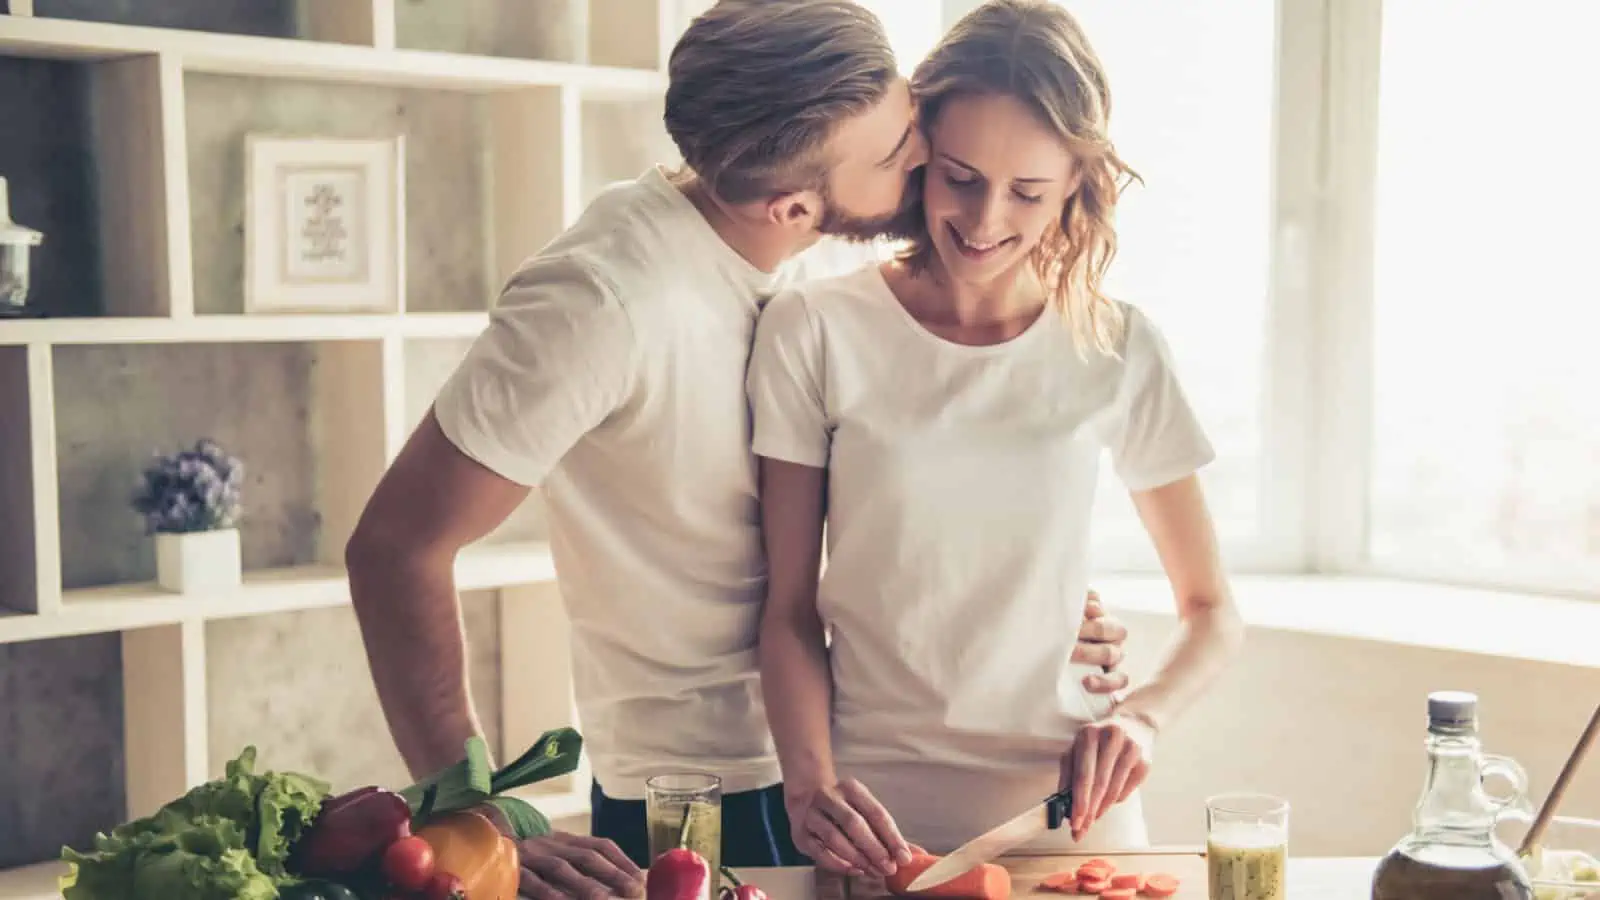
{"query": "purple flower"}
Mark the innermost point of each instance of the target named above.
(192, 490)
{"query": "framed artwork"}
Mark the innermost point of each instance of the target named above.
(324, 225)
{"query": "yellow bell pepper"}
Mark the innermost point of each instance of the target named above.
(470, 847)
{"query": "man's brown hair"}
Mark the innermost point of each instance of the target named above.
(758, 86)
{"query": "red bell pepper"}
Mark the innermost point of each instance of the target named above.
(678, 874)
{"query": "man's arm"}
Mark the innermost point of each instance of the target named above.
(433, 501)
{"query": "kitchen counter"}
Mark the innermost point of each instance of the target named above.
(1309, 879)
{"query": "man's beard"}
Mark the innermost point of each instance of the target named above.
(836, 222)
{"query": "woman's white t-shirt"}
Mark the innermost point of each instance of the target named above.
(961, 480)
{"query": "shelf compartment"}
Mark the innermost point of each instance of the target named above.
(633, 34)
(298, 687)
(513, 29)
(29, 553)
(224, 54)
(164, 715)
(86, 166)
(445, 262)
(226, 328)
(264, 18)
(305, 419)
(536, 690)
(62, 779)
(534, 155)
(348, 21)
(621, 139)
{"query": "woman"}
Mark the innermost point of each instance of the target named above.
(944, 414)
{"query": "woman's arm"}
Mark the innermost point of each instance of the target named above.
(1210, 630)
(1110, 759)
(838, 824)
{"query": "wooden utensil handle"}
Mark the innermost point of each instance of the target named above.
(1542, 820)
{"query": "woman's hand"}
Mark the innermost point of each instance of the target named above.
(843, 828)
(1106, 762)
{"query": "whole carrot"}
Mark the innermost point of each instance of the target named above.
(986, 882)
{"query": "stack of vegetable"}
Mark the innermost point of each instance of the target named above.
(282, 835)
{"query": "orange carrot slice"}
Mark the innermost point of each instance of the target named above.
(1128, 880)
(1093, 885)
(1117, 893)
(1160, 884)
(1061, 881)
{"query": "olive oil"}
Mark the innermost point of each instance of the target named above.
(1452, 852)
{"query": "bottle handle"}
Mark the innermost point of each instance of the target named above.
(1511, 771)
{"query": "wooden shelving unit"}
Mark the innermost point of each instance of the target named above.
(550, 131)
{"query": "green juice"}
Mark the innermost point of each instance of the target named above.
(1246, 862)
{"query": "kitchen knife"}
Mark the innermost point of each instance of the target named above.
(1036, 820)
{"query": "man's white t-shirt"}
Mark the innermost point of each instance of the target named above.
(960, 485)
(612, 377)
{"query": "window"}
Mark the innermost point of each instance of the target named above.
(1486, 430)
(1192, 111)
(913, 27)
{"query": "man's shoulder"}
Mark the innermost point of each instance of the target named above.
(636, 242)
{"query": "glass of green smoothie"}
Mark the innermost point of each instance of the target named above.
(685, 809)
(1247, 846)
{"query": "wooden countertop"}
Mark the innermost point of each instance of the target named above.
(1310, 878)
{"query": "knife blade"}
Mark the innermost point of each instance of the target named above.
(1032, 822)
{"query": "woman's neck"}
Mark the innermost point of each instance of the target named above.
(995, 311)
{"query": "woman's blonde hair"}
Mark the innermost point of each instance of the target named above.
(1035, 52)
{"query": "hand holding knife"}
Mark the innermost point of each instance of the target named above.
(1048, 815)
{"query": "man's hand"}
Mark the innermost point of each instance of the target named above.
(1100, 642)
(844, 829)
(559, 866)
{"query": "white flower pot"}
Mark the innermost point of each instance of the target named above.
(198, 560)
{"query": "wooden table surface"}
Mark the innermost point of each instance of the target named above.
(1310, 878)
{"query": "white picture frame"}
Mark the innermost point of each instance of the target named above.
(324, 225)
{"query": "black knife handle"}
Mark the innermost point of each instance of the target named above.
(1058, 808)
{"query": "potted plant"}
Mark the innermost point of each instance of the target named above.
(190, 503)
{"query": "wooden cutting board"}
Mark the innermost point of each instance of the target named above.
(1188, 864)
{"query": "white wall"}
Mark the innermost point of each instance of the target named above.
(1336, 725)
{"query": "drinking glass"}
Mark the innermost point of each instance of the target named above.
(1247, 846)
(685, 809)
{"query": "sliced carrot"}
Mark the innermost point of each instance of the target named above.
(1160, 884)
(986, 882)
(1061, 881)
(1118, 893)
(1128, 880)
(1098, 863)
(1093, 885)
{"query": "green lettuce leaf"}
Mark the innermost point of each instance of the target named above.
(227, 838)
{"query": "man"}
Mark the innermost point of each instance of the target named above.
(611, 377)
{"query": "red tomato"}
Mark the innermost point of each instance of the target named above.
(408, 863)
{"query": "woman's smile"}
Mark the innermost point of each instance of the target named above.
(975, 250)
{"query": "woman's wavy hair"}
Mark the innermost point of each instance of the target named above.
(1035, 52)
